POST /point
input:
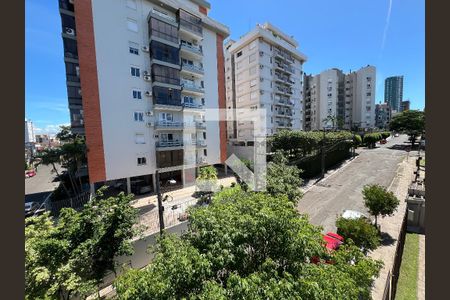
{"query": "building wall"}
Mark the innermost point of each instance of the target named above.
(29, 132)
(364, 100)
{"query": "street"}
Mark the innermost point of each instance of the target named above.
(325, 201)
(38, 187)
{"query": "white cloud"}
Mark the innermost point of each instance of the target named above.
(386, 27)
(51, 129)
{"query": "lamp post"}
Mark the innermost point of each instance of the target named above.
(322, 175)
(160, 206)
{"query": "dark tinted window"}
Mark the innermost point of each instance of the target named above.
(163, 30)
(164, 52)
(163, 95)
(165, 74)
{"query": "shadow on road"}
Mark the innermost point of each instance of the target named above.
(387, 239)
(37, 197)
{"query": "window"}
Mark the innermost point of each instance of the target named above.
(166, 116)
(252, 71)
(163, 30)
(368, 94)
(369, 79)
(139, 138)
(253, 82)
(137, 94)
(133, 48)
(132, 25)
(164, 52)
(138, 116)
(190, 21)
(165, 74)
(135, 72)
(205, 152)
(252, 58)
(131, 4)
(204, 135)
(239, 54)
(141, 161)
(163, 95)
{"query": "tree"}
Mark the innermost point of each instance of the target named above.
(248, 245)
(412, 122)
(379, 201)
(52, 157)
(70, 256)
(357, 140)
(360, 231)
(371, 138)
(207, 181)
(283, 179)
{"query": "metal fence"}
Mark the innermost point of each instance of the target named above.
(76, 203)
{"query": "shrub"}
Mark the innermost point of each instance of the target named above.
(385, 134)
(361, 231)
(357, 140)
(379, 201)
(371, 138)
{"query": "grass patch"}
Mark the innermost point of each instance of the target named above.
(407, 282)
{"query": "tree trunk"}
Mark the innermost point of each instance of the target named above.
(60, 180)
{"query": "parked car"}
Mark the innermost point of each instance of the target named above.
(30, 208)
(383, 141)
(396, 135)
(30, 173)
(333, 241)
(353, 214)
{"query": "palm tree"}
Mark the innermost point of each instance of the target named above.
(53, 157)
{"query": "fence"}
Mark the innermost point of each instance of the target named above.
(392, 279)
(76, 203)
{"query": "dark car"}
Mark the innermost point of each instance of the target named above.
(31, 207)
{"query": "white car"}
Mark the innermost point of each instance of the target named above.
(353, 214)
(396, 135)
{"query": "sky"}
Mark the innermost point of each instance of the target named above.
(346, 34)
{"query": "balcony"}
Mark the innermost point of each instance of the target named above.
(190, 105)
(167, 125)
(163, 16)
(200, 125)
(191, 88)
(197, 52)
(164, 145)
(193, 70)
(283, 90)
(284, 68)
(283, 55)
(199, 143)
(284, 102)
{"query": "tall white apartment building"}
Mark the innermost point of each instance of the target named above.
(263, 70)
(29, 132)
(141, 75)
(335, 99)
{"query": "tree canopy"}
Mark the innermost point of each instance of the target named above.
(379, 201)
(248, 245)
(360, 230)
(71, 255)
(411, 122)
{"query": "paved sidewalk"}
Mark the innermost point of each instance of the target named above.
(392, 225)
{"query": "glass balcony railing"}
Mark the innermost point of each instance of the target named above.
(192, 105)
(167, 144)
(191, 87)
(169, 124)
(162, 15)
(193, 49)
(193, 68)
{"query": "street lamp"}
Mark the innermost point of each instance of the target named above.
(160, 200)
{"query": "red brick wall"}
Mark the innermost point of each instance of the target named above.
(89, 88)
(222, 101)
(203, 10)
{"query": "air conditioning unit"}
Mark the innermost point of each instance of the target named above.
(150, 124)
(261, 53)
(69, 31)
(145, 73)
(148, 93)
(261, 92)
(145, 48)
(261, 66)
(147, 77)
(149, 113)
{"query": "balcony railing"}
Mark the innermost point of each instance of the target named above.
(199, 143)
(167, 144)
(200, 124)
(169, 124)
(191, 87)
(162, 15)
(192, 105)
(193, 68)
(196, 50)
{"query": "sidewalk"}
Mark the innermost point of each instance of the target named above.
(391, 225)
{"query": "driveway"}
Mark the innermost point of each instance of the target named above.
(325, 201)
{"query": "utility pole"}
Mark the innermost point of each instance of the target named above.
(323, 155)
(160, 206)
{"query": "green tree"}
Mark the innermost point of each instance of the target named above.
(411, 122)
(371, 138)
(283, 179)
(379, 201)
(357, 140)
(360, 231)
(52, 157)
(248, 245)
(71, 255)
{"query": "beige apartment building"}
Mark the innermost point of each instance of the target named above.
(263, 70)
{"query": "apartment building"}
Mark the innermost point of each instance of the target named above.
(138, 90)
(337, 100)
(382, 115)
(393, 92)
(29, 132)
(263, 70)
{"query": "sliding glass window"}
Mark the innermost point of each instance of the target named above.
(164, 53)
(190, 22)
(165, 74)
(163, 30)
(167, 96)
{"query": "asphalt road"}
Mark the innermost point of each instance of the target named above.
(38, 187)
(325, 201)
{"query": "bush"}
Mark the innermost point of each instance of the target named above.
(385, 134)
(361, 231)
(371, 138)
(357, 140)
(379, 201)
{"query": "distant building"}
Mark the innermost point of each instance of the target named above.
(393, 92)
(29, 132)
(383, 115)
(405, 105)
(348, 98)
